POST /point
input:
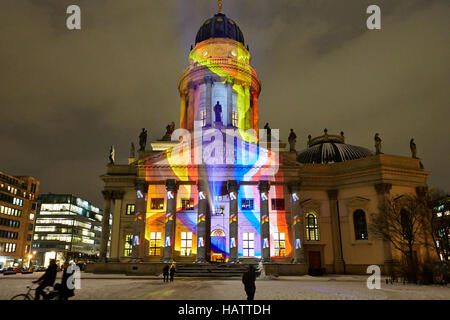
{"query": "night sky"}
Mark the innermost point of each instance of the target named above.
(66, 96)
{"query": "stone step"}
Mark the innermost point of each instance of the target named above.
(211, 270)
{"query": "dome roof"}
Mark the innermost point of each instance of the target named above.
(219, 26)
(330, 149)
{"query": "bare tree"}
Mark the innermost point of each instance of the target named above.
(400, 222)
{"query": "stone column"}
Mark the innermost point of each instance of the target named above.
(202, 232)
(229, 85)
(191, 107)
(170, 220)
(208, 105)
(383, 190)
(115, 229)
(297, 223)
(107, 196)
(183, 115)
(255, 124)
(339, 263)
(233, 229)
(264, 187)
(138, 248)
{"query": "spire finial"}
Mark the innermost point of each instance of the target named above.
(220, 6)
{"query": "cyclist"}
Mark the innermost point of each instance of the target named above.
(46, 280)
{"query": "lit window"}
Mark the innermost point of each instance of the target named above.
(186, 243)
(247, 204)
(155, 243)
(187, 204)
(248, 244)
(234, 119)
(219, 210)
(312, 228)
(279, 242)
(203, 117)
(130, 209)
(128, 245)
(359, 222)
(157, 204)
(277, 204)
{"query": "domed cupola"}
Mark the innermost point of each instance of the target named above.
(330, 148)
(219, 26)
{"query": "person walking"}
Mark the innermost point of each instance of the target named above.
(66, 289)
(248, 279)
(172, 272)
(46, 280)
(166, 273)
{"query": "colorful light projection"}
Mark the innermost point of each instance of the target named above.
(250, 164)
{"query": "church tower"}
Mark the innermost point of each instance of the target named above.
(219, 72)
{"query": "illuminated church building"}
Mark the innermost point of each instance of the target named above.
(248, 198)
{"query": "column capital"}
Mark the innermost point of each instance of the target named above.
(264, 186)
(118, 194)
(294, 186)
(232, 185)
(107, 194)
(332, 194)
(140, 185)
(202, 185)
(208, 79)
(171, 185)
(383, 188)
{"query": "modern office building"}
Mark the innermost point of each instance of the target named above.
(18, 196)
(67, 228)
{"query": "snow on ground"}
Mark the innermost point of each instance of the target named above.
(113, 287)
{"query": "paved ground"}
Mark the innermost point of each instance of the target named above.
(110, 287)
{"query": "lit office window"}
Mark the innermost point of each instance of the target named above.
(312, 228)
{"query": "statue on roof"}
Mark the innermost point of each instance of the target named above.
(413, 148)
(132, 150)
(112, 154)
(142, 139)
(269, 131)
(292, 140)
(377, 143)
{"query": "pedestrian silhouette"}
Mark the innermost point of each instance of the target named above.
(172, 272)
(248, 279)
(166, 273)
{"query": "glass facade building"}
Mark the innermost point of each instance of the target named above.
(67, 228)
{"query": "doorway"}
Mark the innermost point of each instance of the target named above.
(218, 246)
(315, 263)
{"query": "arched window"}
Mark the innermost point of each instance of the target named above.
(359, 221)
(312, 228)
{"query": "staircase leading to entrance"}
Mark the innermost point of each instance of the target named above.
(213, 270)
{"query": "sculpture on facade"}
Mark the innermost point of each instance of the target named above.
(413, 148)
(142, 139)
(292, 140)
(377, 143)
(218, 112)
(112, 154)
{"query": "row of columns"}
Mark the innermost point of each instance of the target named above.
(108, 197)
(189, 113)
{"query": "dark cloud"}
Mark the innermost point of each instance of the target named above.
(66, 96)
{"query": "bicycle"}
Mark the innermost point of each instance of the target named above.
(49, 294)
